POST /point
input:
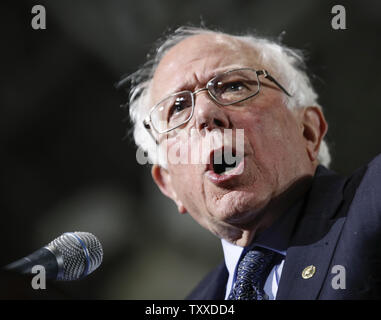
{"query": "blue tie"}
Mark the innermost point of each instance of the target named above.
(252, 273)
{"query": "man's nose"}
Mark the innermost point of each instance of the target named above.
(208, 114)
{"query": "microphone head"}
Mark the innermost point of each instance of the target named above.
(78, 254)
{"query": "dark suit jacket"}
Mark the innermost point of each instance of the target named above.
(339, 226)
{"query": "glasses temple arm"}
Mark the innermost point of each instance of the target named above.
(149, 129)
(268, 76)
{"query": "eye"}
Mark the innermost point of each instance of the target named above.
(177, 107)
(233, 86)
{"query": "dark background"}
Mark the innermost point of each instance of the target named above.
(65, 165)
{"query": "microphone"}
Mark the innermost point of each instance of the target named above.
(71, 256)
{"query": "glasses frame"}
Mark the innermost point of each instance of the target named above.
(147, 123)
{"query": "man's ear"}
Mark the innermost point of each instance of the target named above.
(162, 178)
(314, 129)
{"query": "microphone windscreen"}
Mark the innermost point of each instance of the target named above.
(78, 254)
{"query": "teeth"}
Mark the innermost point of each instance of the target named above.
(227, 170)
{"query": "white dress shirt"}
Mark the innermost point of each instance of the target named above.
(232, 254)
(276, 238)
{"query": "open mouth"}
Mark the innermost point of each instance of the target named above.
(224, 162)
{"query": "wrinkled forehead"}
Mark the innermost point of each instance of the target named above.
(191, 63)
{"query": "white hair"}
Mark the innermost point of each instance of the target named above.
(288, 63)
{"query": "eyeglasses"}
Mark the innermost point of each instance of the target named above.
(225, 89)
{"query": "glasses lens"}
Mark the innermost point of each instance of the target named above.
(173, 111)
(234, 86)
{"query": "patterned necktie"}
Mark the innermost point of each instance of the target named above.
(251, 275)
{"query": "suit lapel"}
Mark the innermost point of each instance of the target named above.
(217, 290)
(213, 286)
(314, 238)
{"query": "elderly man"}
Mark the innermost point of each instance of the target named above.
(290, 228)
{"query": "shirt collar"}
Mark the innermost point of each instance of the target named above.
(275, 238)
(232, 253)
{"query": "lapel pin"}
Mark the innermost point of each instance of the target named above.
(308, 272)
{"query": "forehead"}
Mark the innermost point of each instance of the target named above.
(193, 61)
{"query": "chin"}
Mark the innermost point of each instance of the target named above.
(239, 211)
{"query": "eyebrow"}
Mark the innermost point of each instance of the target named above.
(190, 85)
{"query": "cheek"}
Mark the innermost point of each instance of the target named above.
(265, 132)
(186, 175)
(186, 149)
(181, 175)
(186, 181)
(274, 136)
(276, 126)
